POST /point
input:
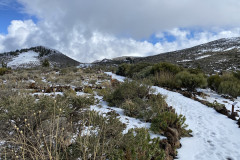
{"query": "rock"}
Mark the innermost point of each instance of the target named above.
(78, 89)
(173, 139)
(168, 149)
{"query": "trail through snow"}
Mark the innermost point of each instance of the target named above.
(215, 137)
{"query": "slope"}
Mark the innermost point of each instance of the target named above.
(32, 57)
(215, 136)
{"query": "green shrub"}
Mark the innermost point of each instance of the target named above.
(230, 87)
(145, 72)
(195, 71)
(136, 68)
(45, 63)
(162, 121)
(165, 67)
(190, 81)
(237, 74)
(3, 71)
(123, 69)
(134, 108)
(88, 90)
(137, 144)
(214, 82)
(127, 90)
(165, 79)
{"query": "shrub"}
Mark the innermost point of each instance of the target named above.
(190, 81)
(45, 63)
(123, 69)
(88, 90)
(127, 90)
(137, 144)
(214, 82)
(237, 74)
(165, 79)
(162, 121)
(134, 108)
(165, 67)
(3, 71)
(136, 68)
(230, 87)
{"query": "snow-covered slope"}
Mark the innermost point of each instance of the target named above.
(218, 55)
(32, 57)
(215, 137)
(26, 59)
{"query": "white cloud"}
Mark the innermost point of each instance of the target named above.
(91, 30)
(137, 18)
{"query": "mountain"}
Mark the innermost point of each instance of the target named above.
(117, 60)
(214, 56)
(32, 57)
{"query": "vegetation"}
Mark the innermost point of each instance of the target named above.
(36, 124)
(45, 63)
(175, 77)
(228, 83)
(165, 75)
(190, 81)
(3, 71)
(138, 100)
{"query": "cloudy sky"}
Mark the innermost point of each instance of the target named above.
(87, 30)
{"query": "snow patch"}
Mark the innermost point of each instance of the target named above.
(201, 57)
(25, 59)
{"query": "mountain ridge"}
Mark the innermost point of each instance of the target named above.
(213, 56)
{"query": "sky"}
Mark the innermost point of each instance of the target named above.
(89, 30)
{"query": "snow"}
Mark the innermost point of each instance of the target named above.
(25, 59)
(213, 96)
(231, 48)
(201, 57)
(215, 136)
(129, 121)
(114, 76)
(185, 60)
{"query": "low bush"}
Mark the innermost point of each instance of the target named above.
(45, 63)
(162, 121)
(190, 81)
(3, 71)
(230, 87)
(88, 90)
(228, 83)
(137, 144)
(165, 67)
(127, 90)
(214, 81)
(165, 79)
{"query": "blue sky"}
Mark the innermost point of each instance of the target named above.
(12, 11)
(91, 30)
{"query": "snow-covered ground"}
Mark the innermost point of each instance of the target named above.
(213, 96)
(114, 76)
(129, 121)
(215, 137)
(25, 59)
(201, 57)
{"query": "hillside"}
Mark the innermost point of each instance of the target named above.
(32, 57)
(218, 55)
(222, 54)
